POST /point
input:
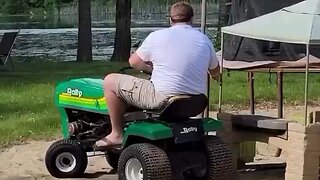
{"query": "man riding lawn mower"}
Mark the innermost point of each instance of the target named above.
(145, 127)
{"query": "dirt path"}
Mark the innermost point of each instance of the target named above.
(27, 162)
(24, 162)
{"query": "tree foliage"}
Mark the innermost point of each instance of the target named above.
(13, 6)
(24, 6)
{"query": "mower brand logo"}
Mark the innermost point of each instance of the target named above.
(74, 92)
(188, 130)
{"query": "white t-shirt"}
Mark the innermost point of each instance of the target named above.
(181, 56)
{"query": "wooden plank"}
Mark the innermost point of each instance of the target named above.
(285, 70)
(259, 121)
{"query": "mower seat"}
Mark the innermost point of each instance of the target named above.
(182, 107)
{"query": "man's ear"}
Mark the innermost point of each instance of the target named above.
(171, 23)
(191, 21)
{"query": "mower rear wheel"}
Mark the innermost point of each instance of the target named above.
(112, 159)
(66, 159)
(144, 161)
(220, 159)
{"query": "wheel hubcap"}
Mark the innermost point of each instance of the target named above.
(133, 169)
(200, 172)
(65, 162)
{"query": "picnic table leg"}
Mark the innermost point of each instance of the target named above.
(251, 92)
(247, 150)
(280, 93)
(280, 102)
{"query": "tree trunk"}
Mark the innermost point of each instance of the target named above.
(122, 42)
(84, 53)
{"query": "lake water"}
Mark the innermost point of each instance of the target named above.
(52, 37)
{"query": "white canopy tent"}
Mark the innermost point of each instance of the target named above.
(299, 24)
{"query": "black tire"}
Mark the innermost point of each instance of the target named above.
(220, 159)
(63, 149)
(112, 159)
(155, 162)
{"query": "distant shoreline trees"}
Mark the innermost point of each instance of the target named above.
(24, 6)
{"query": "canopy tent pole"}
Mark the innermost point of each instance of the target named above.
(220, 78)
(306, 122)
(203, 30)
(203, 16)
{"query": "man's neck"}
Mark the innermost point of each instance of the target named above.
(182, 24)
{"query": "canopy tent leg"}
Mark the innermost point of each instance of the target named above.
(203, 30)
(203, 16)
(306, 122)
(221, 71)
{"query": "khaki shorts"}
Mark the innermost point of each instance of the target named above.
(139, 92)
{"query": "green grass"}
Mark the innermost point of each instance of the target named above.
(235, 89)
(27, 109)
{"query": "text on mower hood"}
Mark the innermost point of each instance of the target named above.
(188, 130)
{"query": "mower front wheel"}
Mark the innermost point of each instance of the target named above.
(66, 159)
(144, 161)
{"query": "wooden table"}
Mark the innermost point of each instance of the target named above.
(279, 72)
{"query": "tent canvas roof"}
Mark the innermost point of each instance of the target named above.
(299, 23)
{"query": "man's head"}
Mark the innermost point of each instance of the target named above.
(181, 12)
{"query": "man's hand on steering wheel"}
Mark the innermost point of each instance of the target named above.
(138, 64)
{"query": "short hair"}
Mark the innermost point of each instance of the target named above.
(181, 12)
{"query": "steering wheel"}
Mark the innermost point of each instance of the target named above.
(125, 69)
(130, 71)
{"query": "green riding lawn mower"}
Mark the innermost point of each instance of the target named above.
(168, 143)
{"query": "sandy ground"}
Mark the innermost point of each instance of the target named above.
(27, 162)
(24, 162)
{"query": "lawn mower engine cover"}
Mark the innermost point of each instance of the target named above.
(82, 106)
(83, 93)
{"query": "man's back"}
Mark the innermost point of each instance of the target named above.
(181, 56)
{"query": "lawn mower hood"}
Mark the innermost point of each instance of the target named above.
(83, 94)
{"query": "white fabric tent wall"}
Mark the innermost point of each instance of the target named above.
(299, 23)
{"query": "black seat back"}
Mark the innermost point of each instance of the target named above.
(6, 45)
(184, 106)
(7, 42)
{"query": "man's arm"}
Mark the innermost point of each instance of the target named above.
(137, 63)
(215, 72)
(141, 59)
(214, 67)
